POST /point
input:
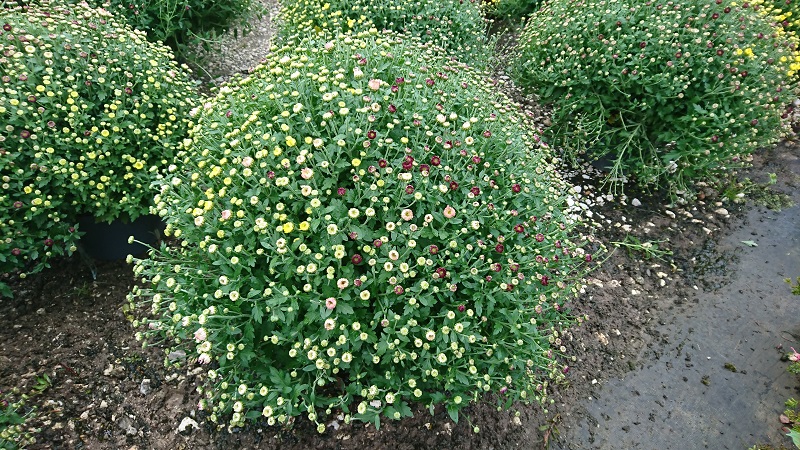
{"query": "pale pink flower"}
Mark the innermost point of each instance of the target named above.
(200, 335)
(329, 45)
(794, 356)
(342, 283)
(374, 84)
(407, 214)
(394, 255)
(449, 212)
(247, 161)
(226, 214)
(306, 173)
(330, 303)
(330, 324)
(204, 358)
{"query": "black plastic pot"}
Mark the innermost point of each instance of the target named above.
(109, 241)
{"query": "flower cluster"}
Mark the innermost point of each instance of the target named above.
(785, 15)
(13, 430)
(363, 224)
(675, 91)
(92, 114)
(458, 26)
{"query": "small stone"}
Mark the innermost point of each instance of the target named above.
(636, 202)
(103, 404)
(186, 423)
(144, 387)
(85, 415)
(722, 211)
(40, 311)
(176, 355)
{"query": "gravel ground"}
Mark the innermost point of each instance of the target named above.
(237, 52)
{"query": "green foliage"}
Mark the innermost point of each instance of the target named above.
(511, 10)
(795, 287)
(671, 92)
(13, 433)
(181, 24)
(363, 224)
(92, 114)
(458, 26)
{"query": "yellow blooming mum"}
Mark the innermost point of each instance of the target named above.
(304, 226)
(288, 227)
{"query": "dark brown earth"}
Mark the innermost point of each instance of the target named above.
(106, 392)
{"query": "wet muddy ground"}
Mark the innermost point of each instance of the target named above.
(713, 376)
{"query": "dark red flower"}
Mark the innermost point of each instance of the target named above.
(424, 168)
(382, 163)
(17, 204)
(453, 186)
(433, 249)
(15, 251)
(270, 174)
(352, 235)
(399, 290)
(516, 188)
(588, 257)
(357, 259)
(487, 134)
(394, 89)
(371, 134)
(442, 272)
(539, 237)
(25, 134)
(409, 189)
(399, 80)
(497, 267)
(377, 243)
(499, 248)
(357, 282)
(519, 228)
(408, 162)
(435, 161)
(7, 27)
(341, 191)
(461, 308)
(48, 242)
(545, 280)
(392, 108)
(475, 190)
(429, 81)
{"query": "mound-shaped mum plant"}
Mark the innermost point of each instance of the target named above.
(92, 113)
(363, 224)
(458, 26)
(672, 91)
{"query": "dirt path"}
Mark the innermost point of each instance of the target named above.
(716, 379)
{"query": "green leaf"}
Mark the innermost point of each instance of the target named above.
(453, 411)
(795, 435)
(257, 315)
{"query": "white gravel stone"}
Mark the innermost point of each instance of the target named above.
(186, 423)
